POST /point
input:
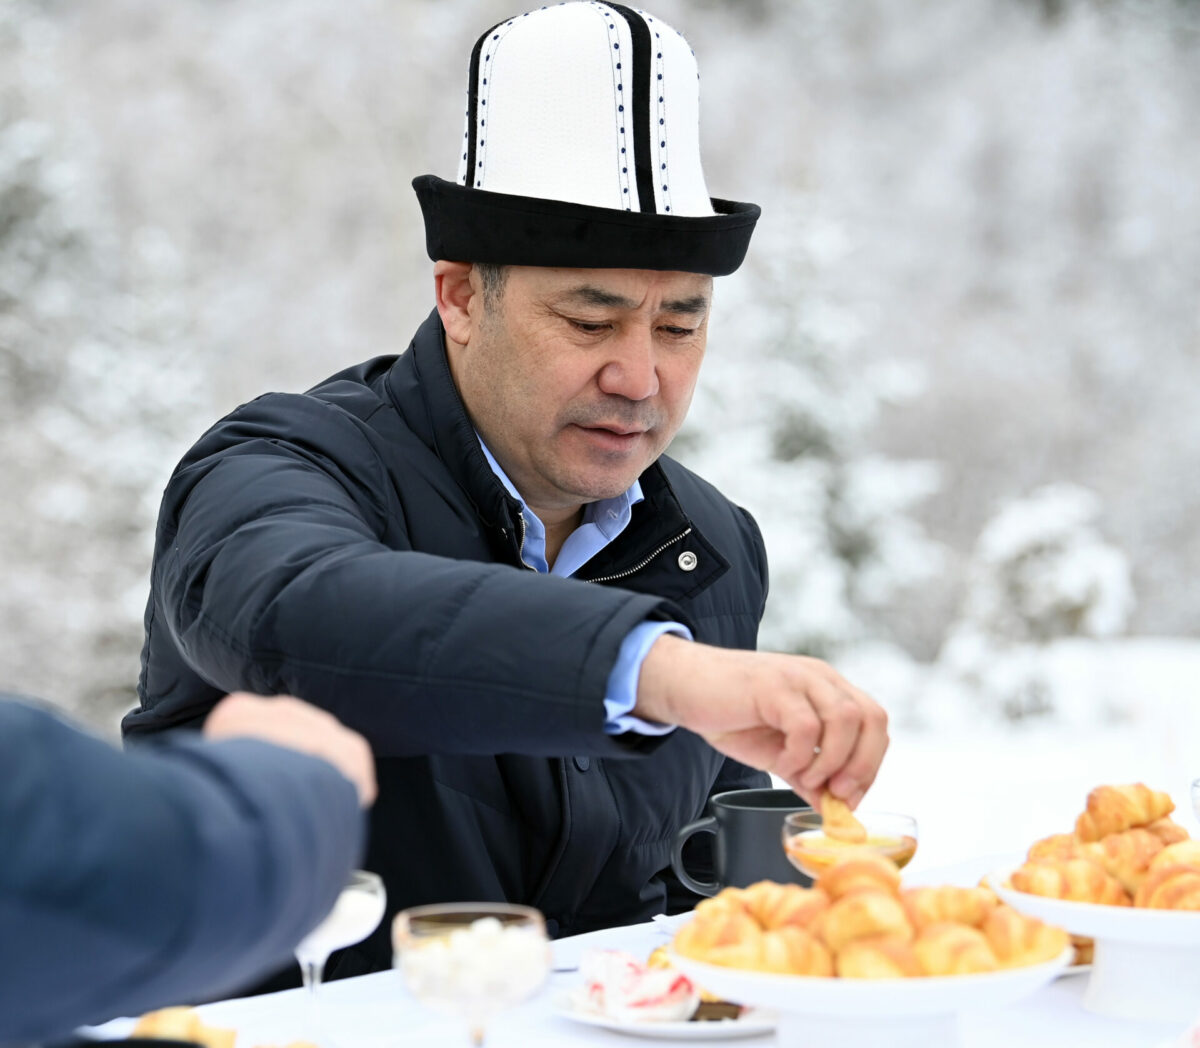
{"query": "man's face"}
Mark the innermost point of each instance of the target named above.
(577, 379)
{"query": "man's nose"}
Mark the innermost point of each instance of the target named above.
(632, 368)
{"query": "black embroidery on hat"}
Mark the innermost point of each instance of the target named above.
(473, 103)
(639, 73)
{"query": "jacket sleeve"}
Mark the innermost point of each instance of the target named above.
(272, 577)
(173, 874)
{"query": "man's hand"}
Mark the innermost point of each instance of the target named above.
(289, 722)
(787, 714)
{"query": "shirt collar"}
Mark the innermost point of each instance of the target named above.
(610, 516)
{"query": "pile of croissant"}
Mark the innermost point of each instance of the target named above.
(1125, 851)
(858, 923)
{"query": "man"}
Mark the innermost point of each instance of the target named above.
(476, 552)
(131, 881)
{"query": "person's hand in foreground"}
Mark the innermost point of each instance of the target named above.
(286, 721)
(791, 715)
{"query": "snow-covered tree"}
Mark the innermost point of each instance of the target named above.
(96, 385)
(781, 423)
(1040, 572)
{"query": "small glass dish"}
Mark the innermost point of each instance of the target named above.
(471, 960)
(812, 852)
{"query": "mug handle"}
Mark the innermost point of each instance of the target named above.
(706, 825)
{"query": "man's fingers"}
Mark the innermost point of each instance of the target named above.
(841, 722)
(856, 777)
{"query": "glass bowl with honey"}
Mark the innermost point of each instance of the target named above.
(812, 851)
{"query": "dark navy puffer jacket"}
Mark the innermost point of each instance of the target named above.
(351, 546)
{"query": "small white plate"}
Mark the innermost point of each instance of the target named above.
(1110, 923)
(749, 1024)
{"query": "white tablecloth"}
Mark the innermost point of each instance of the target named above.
(375, 1011)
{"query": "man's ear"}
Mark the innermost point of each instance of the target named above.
(452, 283)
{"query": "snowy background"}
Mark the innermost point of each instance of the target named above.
(956, 381)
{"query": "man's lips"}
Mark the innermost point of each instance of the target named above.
(619, 431)
(611, 438)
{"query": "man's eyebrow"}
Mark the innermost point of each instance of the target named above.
(590, 295)
(695, 306)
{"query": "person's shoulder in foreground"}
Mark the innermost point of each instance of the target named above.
(168, 875)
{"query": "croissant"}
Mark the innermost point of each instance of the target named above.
(778, 905)
(1056, 846)
(1170, 888)
(1182, 853)
(721, 935)
(1167, 830)
(861, 870)
(1017, 940)
(838, 821)
(927, 906)
(1079, 880)
(953, 949)
(861, 914)
(1111, 809)
(182, 1024)
(1173, 879)
(725, 899)
(877, 957)
(1125, 856)
(794, 951)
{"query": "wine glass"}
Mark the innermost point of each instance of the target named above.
(471, 959)
(357, 913)
(812, 852)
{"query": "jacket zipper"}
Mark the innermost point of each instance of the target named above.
(642, 563)
(521, 543)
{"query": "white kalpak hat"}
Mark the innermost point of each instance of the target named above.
(582, 149)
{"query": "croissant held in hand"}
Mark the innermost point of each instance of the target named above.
(1111, 809)
(1078, 880)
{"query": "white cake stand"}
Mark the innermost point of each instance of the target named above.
(1146, 963)
(867, 1013)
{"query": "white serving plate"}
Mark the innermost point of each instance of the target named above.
(750, 1024)
(866, 1013)
(1110, 923)
(1146, 963)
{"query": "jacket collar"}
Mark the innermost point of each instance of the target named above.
(423, 391)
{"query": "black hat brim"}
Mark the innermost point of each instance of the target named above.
(477, 225)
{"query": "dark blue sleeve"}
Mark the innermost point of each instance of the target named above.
(166, 875)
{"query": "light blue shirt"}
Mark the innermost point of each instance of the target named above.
(602, 522)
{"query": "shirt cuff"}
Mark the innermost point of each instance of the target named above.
(621, 695)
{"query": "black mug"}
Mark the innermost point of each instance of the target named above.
(747, 827)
